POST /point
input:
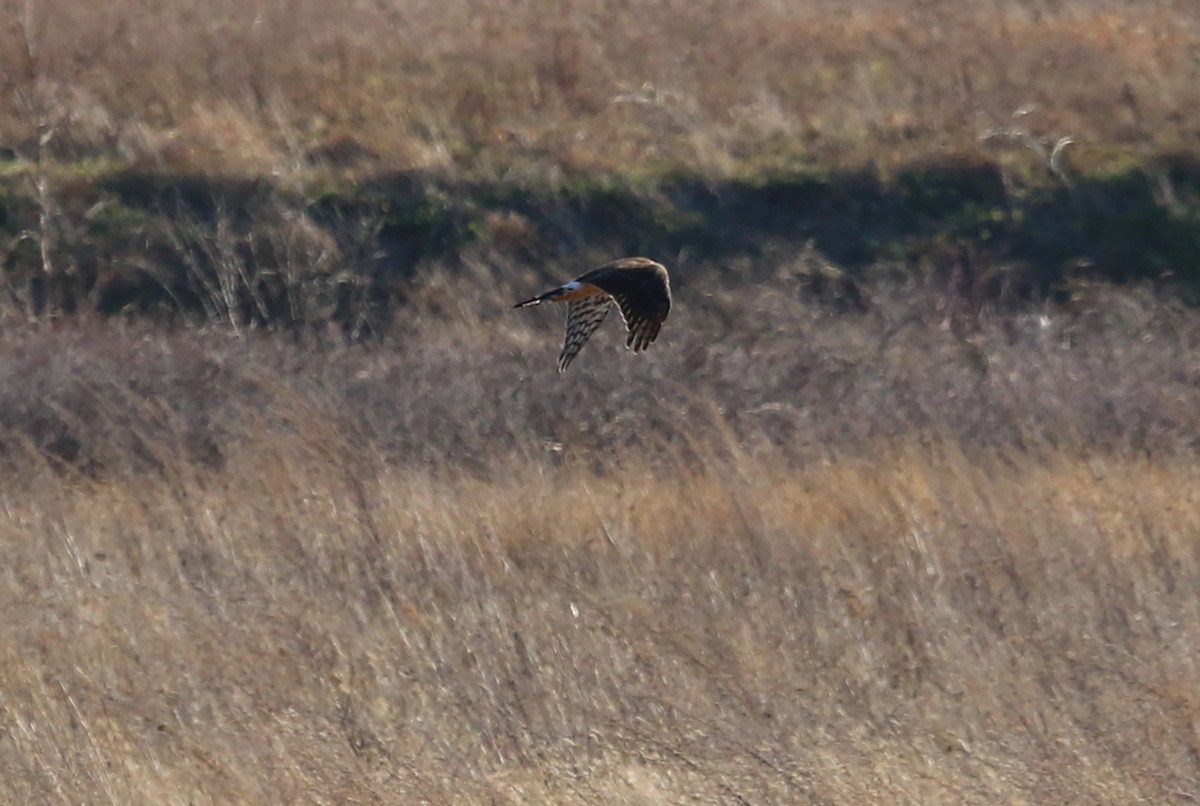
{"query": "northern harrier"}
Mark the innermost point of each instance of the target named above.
(637, 285)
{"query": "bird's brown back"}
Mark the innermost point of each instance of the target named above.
(639, 279)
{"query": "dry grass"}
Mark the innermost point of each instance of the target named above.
(865, 558)
(923, 539)
(307, 624)
(268, 87)
(298, 164)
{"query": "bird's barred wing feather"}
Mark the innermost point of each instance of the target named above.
(583, 317)
(643, 326)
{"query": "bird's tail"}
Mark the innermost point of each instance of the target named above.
(551, 294)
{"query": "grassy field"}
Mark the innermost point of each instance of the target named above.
(272, 86)
(298, 164)
(901, 508)
(306, 625)
(822, 557)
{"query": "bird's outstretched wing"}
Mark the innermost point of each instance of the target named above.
(642, 292)
(583, 317)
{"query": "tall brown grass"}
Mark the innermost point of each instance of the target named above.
(308, 624)
(907, 541)
(836, 559)
(269, 86)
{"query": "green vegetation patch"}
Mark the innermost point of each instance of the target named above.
(204, 236)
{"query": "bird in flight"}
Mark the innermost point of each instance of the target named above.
(638, 286)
